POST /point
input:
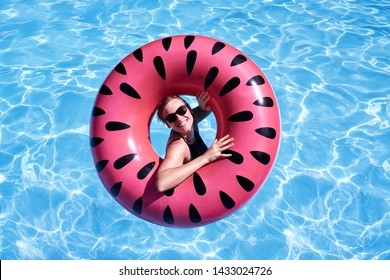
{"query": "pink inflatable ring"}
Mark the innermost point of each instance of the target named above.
(244, 106)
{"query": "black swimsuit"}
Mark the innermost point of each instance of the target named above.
(197, 148)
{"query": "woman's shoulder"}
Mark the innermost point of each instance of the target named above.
(173, 137)
(178, 146)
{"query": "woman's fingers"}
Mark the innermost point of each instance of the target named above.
(203, 94)
(206, 97)
(224, 144)
(226, 139)
(200, 96)
(227, 144)
(218, 147)
(203, 97)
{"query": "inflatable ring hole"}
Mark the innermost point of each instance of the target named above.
(159, 132)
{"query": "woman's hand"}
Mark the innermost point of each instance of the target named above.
(218, 146)
(172, 171)
(203, 97)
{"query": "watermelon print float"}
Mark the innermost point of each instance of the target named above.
(244, 105)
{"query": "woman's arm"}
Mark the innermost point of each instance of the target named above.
(172, 171)
(202, 111)
(199, 114)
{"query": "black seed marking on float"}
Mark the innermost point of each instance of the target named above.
(255, 81)
(129, 90)
(145, 170)
(238, 60)
(210, 77)
(138, 55)
(167, 43)
(123, 161)
(137, 206)
(96, 112)
(230, 85)
(100, 165)
(120, 68)
(268, 132)
(169, 192)
(159, 65)
(217, 47)
(168, 216)
(235, 157)
(200, 187)
(264, 102)
(226, 200)
(95, 141)
(245, 183)
(188, 41)
(261, 157)
(242, 116)
(190, 62)
(194, 214)
(115, 189)
(114, 126)
(105, 90)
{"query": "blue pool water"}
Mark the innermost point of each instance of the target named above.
(328, 195)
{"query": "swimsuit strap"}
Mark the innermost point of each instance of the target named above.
(197, 148)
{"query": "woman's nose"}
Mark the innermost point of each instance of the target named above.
(180, 118)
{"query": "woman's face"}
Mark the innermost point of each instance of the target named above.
(182, 124)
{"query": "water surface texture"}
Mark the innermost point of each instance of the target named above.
(327, 196)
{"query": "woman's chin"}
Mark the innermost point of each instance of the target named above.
(184, 128)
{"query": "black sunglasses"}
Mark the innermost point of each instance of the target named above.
(181, 111)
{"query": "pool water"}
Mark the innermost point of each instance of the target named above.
(327, 196)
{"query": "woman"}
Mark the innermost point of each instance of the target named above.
(186, 151)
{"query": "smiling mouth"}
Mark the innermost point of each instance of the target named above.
(182, 123)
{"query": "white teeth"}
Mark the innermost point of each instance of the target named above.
(181, 124)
